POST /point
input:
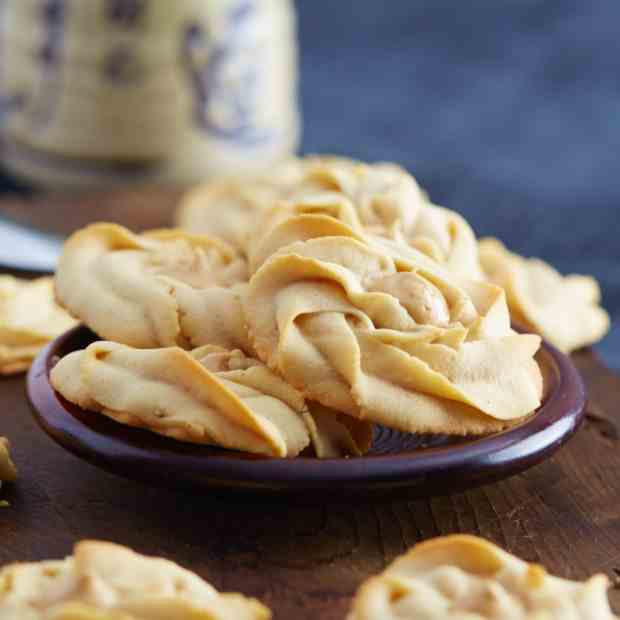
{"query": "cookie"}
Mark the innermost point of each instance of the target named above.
(210, 395)
(462, 577)
(103, 581)
(132, 289)
(565, 310)
(29, 319)
(416, 350)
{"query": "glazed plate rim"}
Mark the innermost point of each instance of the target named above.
(462, 465)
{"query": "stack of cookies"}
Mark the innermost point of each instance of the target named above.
(293, 311)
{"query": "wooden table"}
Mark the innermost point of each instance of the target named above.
(304, 561)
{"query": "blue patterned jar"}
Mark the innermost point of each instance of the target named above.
(101, 92)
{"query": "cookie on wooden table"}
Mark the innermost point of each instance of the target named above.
(29, 319)
(103, 581)
(7, 468)
(466, 578)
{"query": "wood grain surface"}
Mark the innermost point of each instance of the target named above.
(303, 560)
(138, 209)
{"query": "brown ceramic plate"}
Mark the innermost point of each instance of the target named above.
(413, 464)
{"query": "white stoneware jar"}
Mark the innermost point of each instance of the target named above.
(101, 92)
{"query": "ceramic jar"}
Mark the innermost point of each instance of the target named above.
(98, 92)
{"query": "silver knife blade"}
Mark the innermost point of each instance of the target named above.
(27, 249)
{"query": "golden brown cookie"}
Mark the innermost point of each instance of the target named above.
(467, 578)
(29, 319)
(210, 395)
(413, 349)
(231, 209)
(565, 310)
(390, 205)
(141, 290)
(103, 581)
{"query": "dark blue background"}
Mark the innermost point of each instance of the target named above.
(505, 110)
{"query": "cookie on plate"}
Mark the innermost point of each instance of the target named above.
(144, 290)
(210, 395)
(390, 204)
(565, 310)
(415, 348)
(232, 209)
